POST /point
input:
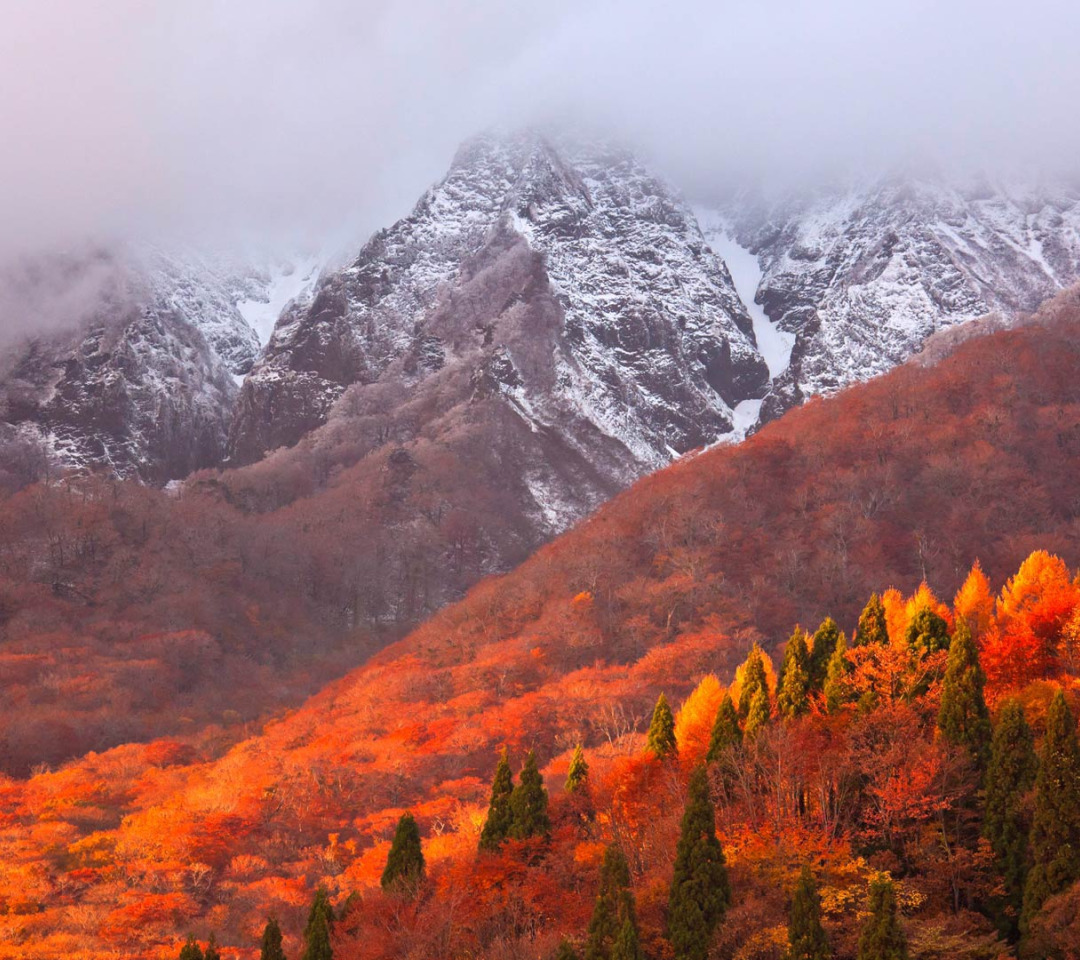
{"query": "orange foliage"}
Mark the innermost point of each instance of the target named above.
(1034, 608)
(974, 602)
(695, 719)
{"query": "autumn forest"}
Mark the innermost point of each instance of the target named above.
(810, 696)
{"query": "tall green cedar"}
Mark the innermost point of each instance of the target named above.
(661, 740)
(270, 948)
(758, 718)
(497, 825)
(963, 718)
(1009, 777)
(212, 952)
(1055, 826)
(317, 931)
(404, 871)
(700, 891)
(796, 650)
(614, 907)
(529, 803)
(872, 627)
(754, 679)
(927, 633)
(627, 945)
(578, 772)
(837, 689)
(725, 731)
(806, 935)
(821, 650)
(793, 692)
(191, 949)
(882, 937)
(565, 951)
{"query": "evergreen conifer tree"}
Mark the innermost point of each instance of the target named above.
(796, 650)
(270, 948)
(614, 907)
(837, 689)
(1009, 777)
(499, 818)
(212, 952)
(1055, 826)
(872, 625)
(793, 692)
(758, 717)
(566, 951)
(661, 739)
(700, 891)
(963, 718)
(882, 938)
(191, 949)
(404, 871)
(927, 633)
(725, 731)
(806, 935)
(578, 771)
(821, 651)
(754, 678)
(627, 945)
(529, 803)
(317, 932)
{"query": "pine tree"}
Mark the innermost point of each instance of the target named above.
(499, 818)
(271, 949)
(614, 907)
(565, 951)
(963, 718)
(793, 693)
(661, 740)
(796, 650)
(754, 678)
(882, 937)
(758, 717)
(1009, 777)
(212, 952)
(578, 771)
(627, 946)
(927, 632)
(317, 931)
(806, 935)
(872, 626)
(837, 689)
(1055, 826)
(191, 949)
(700, 891)
(404, 871)
(529, 803)
(725, 731)
(823, 644)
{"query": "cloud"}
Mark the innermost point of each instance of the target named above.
(309, 119)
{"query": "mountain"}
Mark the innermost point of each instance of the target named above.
(903, 479)
(861, 276)
(563, 277)
(138, 371)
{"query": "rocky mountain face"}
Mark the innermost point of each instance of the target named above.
(567, 280)
(139, 374)
(861, 277)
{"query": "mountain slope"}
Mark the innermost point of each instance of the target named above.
(902, 479)
(648, 345)
(137, 371)
(861, 277)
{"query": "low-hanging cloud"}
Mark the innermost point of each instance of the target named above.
(299, 121)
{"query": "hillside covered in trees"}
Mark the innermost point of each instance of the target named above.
(872, 768)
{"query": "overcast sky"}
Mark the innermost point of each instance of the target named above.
(300, 119)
